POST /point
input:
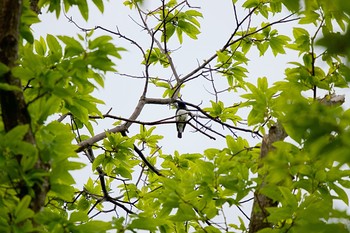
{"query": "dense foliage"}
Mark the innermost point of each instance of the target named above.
(133, 185)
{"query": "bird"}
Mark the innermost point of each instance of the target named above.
(181, 118)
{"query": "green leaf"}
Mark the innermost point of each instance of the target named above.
(40, 46)
(262, 84)
(98, 161)
(341, 193)
(289, 198)
(29, 17)
(17, 133)
(54, 45)
(276, 6)
(99, 42)
(22, 212)
(278, 43)
(55, 142)
(8, 87)
(124, 172)
(310, 17)
(101, 63)
(292, 5)
(179, 34)
(184, 213)
(335, 43)
(83, 204)
(145, 223)
(272, 192)
(29, 155)
(211, 153)
(79, 111)
(308, 59)
(250, 3)
(211, 229)
(99, 4)
(73, 47)
(216, 109)
(229, 182)
(231, 143)
(190, 30)
(170, 30)
(298, 32)
(3, 69)
(66, 192)
(53, 6)
(157, 56)
(78, 216)
(84, 9)
(95, 226)
(262, 47)
(194, 13)
(26, 33)
(279, 214)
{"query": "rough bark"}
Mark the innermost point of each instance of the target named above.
(258, 218)
(14, 110)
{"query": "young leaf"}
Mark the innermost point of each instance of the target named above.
(22, 212)
(53, 44)
(84, 9)
(99, 4)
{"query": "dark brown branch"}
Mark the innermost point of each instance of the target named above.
(220, 122)
(117, 33)
(201, 131)
(148, 164)
(106, 196)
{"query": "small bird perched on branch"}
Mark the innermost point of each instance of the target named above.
(181, 118)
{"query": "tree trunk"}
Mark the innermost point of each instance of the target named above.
(14, 110)
(258, 218)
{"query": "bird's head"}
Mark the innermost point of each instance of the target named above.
(181, 105)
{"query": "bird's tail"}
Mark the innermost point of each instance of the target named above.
(179, 135)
